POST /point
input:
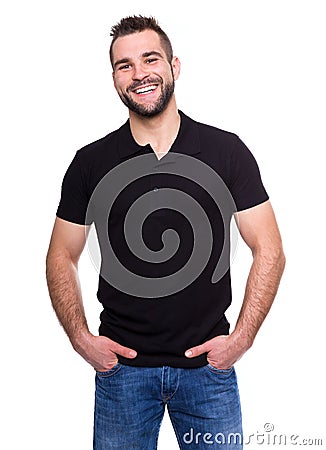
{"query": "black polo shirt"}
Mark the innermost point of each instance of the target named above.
(160, 297)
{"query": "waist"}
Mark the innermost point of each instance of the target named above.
(166, 348)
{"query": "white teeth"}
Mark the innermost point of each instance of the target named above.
(145, 89)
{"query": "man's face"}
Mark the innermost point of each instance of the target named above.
(143, 77)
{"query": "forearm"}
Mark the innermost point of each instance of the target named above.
(65, 293)
(261, 288)
(259, 230)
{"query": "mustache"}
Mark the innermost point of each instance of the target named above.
(139, 84)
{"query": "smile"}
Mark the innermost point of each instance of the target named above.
(146, 89)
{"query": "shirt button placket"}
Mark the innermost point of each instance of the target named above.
(154, 188)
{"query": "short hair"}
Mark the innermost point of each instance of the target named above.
(136, 24)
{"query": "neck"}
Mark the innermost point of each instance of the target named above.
(159, 131)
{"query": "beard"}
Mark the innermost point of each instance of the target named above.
(149, 110)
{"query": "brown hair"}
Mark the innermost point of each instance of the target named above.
(136, 24)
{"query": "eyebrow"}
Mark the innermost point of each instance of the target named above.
(153, 52)
(144, 55)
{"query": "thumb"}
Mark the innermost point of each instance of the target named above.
(196, 351)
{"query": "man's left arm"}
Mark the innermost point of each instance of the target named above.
(259, 230)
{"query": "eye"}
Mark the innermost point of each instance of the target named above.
(124, 67)
(151, 60)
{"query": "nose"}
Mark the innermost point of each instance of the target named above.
(140, 72)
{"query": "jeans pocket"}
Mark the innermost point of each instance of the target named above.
(219, 371)
(110, 372)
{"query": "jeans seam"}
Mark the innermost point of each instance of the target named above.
(108, 373)
(167, 397)
(220, 371)
(158, 431)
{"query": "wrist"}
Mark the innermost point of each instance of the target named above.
(81, 340)
(241, 339)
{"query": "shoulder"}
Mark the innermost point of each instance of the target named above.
(218, 146)
(96, 148)
(214, 133)
(228, 143)
(98, 157)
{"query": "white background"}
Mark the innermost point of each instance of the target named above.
(252, 67)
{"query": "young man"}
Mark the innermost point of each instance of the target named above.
(162, 343)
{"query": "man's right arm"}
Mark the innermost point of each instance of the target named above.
(67, 243)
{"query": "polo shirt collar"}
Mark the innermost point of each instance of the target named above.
(187, 140)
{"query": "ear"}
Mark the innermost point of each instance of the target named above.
(176, 67)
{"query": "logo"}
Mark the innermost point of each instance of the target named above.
(114, 182)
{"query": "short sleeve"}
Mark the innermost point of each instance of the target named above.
(74, 197)
(246, 185)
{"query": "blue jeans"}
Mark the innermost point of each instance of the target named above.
(203, 404)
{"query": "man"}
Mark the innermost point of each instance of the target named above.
(163, 344)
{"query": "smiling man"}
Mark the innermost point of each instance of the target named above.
(151, 96)
(170, 350)
(144, 74)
